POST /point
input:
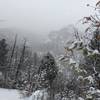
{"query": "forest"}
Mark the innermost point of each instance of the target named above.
(59, 69)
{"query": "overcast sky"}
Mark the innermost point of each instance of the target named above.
(42, 16)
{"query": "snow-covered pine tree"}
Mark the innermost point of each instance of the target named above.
(89, 82)
(48, 71)
(93, 58)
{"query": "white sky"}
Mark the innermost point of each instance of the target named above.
(42, 16)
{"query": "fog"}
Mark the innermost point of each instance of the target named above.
(42, 16)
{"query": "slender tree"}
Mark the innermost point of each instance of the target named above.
(21, 60)
(13, 50)
(3, 52)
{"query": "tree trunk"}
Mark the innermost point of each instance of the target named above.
(51, 92)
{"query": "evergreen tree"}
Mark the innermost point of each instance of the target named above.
(3, 52)
(48, 72)
(35, 59)
(95, 41)
(49, 66)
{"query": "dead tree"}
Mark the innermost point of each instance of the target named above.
(10, 61)
(21, 60)
(13, 50)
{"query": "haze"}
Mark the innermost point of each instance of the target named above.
(42, 16)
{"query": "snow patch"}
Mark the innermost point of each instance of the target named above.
(6, 94)
(96, 52)
(72, 61)
(39, 95)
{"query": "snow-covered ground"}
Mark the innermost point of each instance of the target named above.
(6, 94)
